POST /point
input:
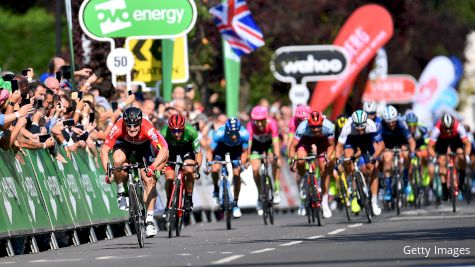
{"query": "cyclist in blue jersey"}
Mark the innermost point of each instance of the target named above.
(231, 138)
(421, 136)
(396, 134)
(370, 109)
(360, 138)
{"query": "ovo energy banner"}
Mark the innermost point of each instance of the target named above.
(366, 31)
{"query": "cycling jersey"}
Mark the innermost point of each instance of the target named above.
(293, 123)
(351, 138)
(397, 137)
(443, 139)
(186, 147)
(222, 144)
(147, 133)
(421, 136)
(261, 141)
(306, 138)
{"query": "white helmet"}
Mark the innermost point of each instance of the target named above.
(447, 120)
(390, 114)
(369, 107)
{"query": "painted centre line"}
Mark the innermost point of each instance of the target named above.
(184, 254)
(6, 262)
(355, 225)
(334, 232)
(315, 237)
(106, 257)
(227, 259)
(60, 260)
(262, 250)
(290, 243)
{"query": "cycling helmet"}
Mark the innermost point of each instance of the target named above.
(390, 114)
(369, 107)
(302, 111)
(259, 113)
(176, 121)
(341, 121)
(232, 127)
(315, 118)
(411, 118)
(359, 118)
(132, 116)
(447, 121)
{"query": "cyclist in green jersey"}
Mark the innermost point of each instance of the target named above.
(182, 139)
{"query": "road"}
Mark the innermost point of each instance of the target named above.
(423, 237)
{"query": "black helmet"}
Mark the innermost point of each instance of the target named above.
(132, 116)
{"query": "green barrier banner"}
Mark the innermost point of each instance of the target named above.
(16, 219)
(69, 173)
(36, 206)
(50, 186)
(103, 195)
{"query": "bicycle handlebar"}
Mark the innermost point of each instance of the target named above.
(181, 163)
(236, 161)
(311, 157)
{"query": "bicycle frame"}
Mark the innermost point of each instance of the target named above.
(452, 179)
(313, 202)
(267, 190)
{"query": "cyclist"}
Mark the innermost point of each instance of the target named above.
(370, 108)
(396, 134)
(421, 136)
(339, 124)
(301, 114)
(231, 138)
(264, 137)
(450, 133)
(132, 139)
(318, 131)
(360, 138)
(182, 140)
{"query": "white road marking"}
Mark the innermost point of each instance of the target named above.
(106, 257)
(226, 252)
(7, 262)
(290, 243)
(334, 232)
(184, 254)
(315, 237)
(404, 218)
(211, 252)
(262, 250)
(227, 259)
(59, 260)
(355, 225)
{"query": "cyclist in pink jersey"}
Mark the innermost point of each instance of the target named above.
(301, 114)
(264, 138)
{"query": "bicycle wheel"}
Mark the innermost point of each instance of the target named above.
(270, 201)
(264, 198)
(316, 202)
(363, 195)
(416, 186)
(180, 214)
(345, 200)
(137, 217)
(398, 194)
(453, 189)
(227, 204)
(468, 185)
(173, 212)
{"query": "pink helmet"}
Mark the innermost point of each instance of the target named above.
(302, 112)
(259, 113)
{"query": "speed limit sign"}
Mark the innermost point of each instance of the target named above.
(120, 61)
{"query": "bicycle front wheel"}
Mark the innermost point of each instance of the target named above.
(344, 197)
(453, 189)
(363, 195)
(227, 204)
(137, 216)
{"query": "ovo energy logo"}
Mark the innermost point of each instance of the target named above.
(137, 18)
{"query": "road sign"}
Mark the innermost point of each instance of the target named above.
(120, 61)
(148, 60)
(101, 19)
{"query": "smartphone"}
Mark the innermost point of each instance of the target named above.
(38, 103)
(80, 95)
(44, 137)
(114, 105)
(129, 92)
(14, 85)
(25, 100)
(92, 117)
(58, 76)
(80, 126)
(66, 72)
(68, 123)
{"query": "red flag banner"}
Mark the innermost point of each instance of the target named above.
(394, 89)
(366, 31)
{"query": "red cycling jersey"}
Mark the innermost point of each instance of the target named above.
(440, 133)
(147, 133)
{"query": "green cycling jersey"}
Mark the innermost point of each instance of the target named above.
(189, 139)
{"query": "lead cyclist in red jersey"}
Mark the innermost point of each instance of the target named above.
(132, 139)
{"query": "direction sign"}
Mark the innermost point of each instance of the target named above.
(148, 60)
(137, 18)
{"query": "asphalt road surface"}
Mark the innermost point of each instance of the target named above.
(423, 237)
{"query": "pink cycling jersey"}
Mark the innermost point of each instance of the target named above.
(293, 124)
(270, 131)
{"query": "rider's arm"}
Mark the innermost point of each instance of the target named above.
(105, 156)
(467, 145)
(212, 146)
(412, 144)
(433, 140)
(251, 134)
(339, 150)
(196, 145)
(244, 135)
(109, 143)
(275, 138)
(379, 145)
(331, 148)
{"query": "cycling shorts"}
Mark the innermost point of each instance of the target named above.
(261, 147)
(136, 153)
(442, 145)
(234, 151)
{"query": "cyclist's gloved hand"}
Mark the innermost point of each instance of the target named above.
(150, 170)
(291, 161)
(412, 155)
(207, 169)
(372, 160)
(109, 179)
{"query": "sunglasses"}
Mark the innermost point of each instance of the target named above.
(316, 127)
(132, 126)
(412, 124)
(371, 113)
(360, 126)
(176, 131)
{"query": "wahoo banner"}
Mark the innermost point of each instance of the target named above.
(366, 31)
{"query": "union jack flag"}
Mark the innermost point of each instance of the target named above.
(235, 22)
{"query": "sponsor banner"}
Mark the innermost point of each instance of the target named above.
(101, 19)
(366, 31)
(300, 64)
(394, 89)
(449, 98)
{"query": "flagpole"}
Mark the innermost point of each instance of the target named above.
(71, 45)
(232, 73)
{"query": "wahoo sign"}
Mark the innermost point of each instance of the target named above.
(300, 64)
